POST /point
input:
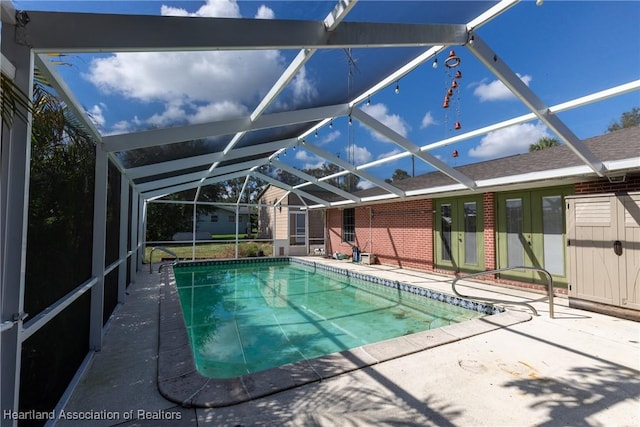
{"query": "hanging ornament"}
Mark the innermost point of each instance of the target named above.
(452, 97)
(454, 154)
(452, 60)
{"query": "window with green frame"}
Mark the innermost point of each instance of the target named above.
(349, 225)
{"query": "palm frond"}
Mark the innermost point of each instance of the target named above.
(13, 101)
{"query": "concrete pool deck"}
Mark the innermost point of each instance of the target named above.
(580, 368)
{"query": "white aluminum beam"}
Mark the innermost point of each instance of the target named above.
(558, 108)
(154, 194)
(298, 62)
(345, 165)
(339, 12)
(335, 17)
(55, 80)
(135, 219)
(491, 13)
(99, 248)
(15, 157)
(45, 316)
(124, 238)
(244, 187)
(287, 187)
(169, 182)
(284, 196)
(207, 159)
(7, 13)
(85, 32)
(431, 52)
(142, 232)
(313, 180)
(404, 143)
(155, 137)
(7, 67)
(198, 176)
(511, 80)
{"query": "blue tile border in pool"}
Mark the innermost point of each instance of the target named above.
(179, 381)
(394, 284)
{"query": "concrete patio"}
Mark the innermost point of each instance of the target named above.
(578, 369)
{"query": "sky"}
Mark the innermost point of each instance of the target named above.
(562, 50)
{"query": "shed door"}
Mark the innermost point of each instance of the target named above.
(598, 273)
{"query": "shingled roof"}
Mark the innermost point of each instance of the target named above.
(619, 145)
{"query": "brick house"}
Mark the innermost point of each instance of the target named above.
(516, 216)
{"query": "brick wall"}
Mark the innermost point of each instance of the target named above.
(399, 233)
(489, 223)
(603, 185)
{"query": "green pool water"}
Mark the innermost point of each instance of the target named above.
(244, 319)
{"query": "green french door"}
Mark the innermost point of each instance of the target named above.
(459, 243)
(531, 232)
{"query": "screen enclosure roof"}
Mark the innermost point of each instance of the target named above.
(365, 87)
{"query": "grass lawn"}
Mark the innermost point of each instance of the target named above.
(213, 250)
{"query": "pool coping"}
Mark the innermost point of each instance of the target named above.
(179, 380)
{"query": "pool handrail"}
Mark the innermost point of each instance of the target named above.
(519, 267)
(163, 249)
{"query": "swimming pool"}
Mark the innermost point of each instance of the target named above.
(180, 381)
(247, 318)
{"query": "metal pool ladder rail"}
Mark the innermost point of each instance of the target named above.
(163, 249)
(520, 267)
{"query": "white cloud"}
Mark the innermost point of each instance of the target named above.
(363, 184)
(496, 90)
(428, 120)
(187, 76)
(265, 13)
(96, 114)
(121, 127)
(512, 140)
(390, 153)
(124, 126)
(380, 112)
(311, 161)
(358, 154)
(218, 111)
(212, 8)
(173, 113)
(303, 89)
(195, 82)
(331, 136)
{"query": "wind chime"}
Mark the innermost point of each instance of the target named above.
(453, 93)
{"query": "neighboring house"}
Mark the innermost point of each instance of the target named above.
(294, 230)
(521, 216)
(222, 220)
